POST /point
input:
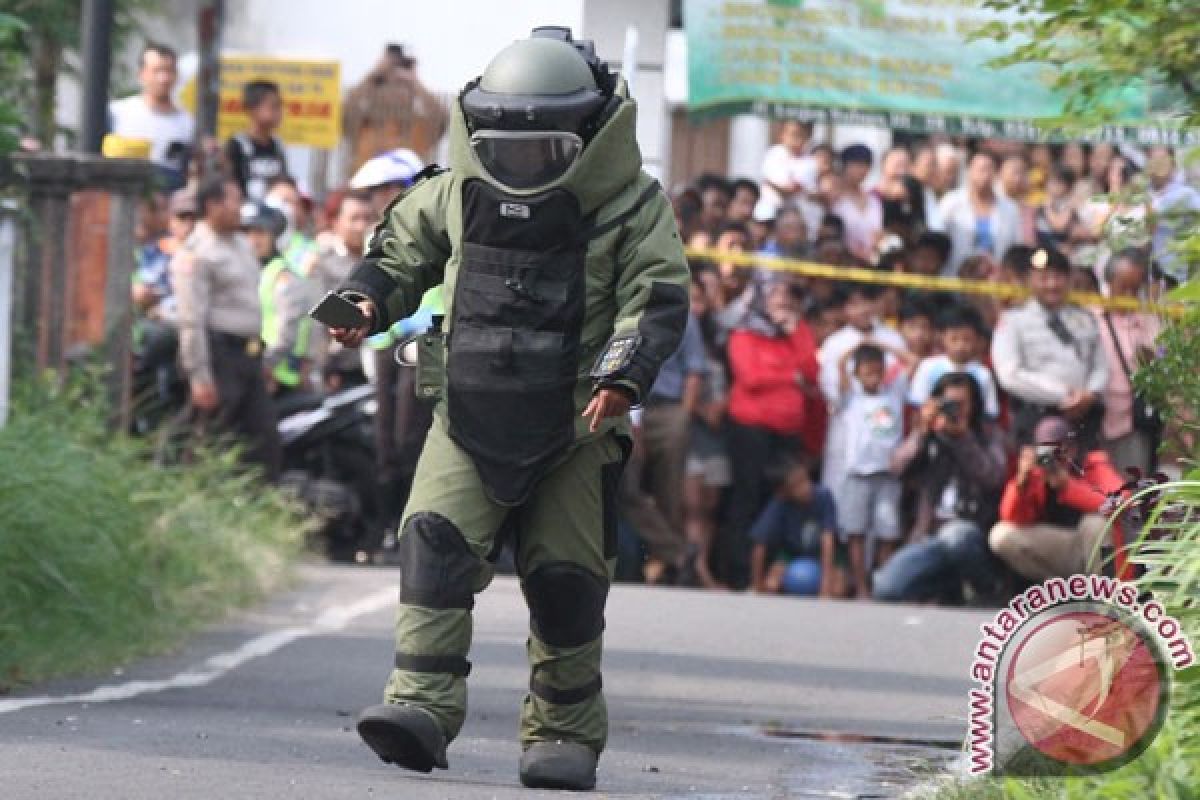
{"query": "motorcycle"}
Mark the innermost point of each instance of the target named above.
(329, 464)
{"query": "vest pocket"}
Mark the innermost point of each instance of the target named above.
(431, 364)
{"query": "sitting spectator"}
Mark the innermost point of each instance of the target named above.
(1130, 435)
(796, 533)
(791, 235)
(771, 408)
(1049, 522)
(860, 210)
(957, 461)
(962, 335)
(1047, 354)
(872, 417)
(715, 195)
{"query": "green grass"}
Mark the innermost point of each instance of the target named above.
(1170, 768)
(105, 556)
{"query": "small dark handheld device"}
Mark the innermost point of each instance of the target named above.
(338, 312)
(950, 408)
(1049, 454)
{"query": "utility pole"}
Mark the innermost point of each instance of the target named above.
(209, 22)
(96, 46)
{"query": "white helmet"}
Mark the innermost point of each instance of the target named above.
(394, 167)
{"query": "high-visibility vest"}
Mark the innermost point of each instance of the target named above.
(287, 370)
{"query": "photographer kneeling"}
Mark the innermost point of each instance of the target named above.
(1049, 521)
(957, 459)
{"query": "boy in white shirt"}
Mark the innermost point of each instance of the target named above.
(962, 334)
(872, 416)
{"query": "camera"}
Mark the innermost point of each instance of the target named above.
(1049, 454)
(951, 409)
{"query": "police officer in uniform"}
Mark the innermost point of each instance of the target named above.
(1048, 356)
(216, 280)
(566, 289)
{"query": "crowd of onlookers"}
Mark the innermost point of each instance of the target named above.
(841, 438)
(810, 435)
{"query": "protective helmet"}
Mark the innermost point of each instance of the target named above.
(396, 167)
(535, 107)
(263, 217)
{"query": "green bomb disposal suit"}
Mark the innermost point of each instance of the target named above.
(550, 293)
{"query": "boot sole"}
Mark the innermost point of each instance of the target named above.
(395, 745)
(535, 782)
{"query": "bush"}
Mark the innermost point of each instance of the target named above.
(104, 555)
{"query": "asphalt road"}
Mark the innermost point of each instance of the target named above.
(262, 707)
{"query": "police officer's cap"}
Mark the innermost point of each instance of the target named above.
(1050, 258)
(545, 82)
(262, 217)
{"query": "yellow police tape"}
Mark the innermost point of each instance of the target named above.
(922, 282)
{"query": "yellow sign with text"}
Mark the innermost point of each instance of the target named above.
(311, 90)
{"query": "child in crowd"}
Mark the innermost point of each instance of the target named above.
(917, 329)
(963, 339)
(255, 157)
(872, 416)
(798, 525)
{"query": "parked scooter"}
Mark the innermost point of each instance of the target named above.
(329, 462)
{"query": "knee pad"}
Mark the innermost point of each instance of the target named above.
(566, 603)
(437, 567)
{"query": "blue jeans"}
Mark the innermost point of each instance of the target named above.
(936, 567)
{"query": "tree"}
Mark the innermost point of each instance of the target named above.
(35, 36)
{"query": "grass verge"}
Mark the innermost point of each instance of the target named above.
(105, 556)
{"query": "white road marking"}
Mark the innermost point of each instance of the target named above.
(331, 619)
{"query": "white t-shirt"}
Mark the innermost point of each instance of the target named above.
(782, 168)
(933, 368)
(874, 427)
(170, 134)
(863, 223)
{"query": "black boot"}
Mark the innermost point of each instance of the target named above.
(406, 736)
(558, 765)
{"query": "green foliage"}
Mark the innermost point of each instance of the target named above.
(105, 556)
(1103, 51)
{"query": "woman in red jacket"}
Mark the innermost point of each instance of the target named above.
(774, 408)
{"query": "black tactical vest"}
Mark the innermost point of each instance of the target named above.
(514, 344)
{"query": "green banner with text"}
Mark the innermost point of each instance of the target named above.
(905, 64)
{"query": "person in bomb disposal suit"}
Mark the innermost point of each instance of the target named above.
(566, 289)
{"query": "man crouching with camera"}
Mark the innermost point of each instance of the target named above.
(1049, 515)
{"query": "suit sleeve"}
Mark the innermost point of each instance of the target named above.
(651, 295)
(407, 253)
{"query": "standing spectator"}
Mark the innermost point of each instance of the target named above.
(1047, 354)
(1050, 523)
(1094, 182)
(975, 218)
(902, 196)
(295, 244)
(788, 170)
(1129, 340)
(956, 460)
(284, 297)
(796, 531)
(1013, 183)
(708, 471)
(916, 321)
(860, 311)
(924, 169)
(947, 173)
(216, 280)
(654, 489)
(773, 362)
(1057, 215)
(152, 293)
(255, 157)
(860, 210)
(327, 266)
(930, 253)
(872, 417)
(154, 117)
(1041, 161)
(1175, 207)
(963, 339)
(744, 201)
(731, 287)
(715, 194)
